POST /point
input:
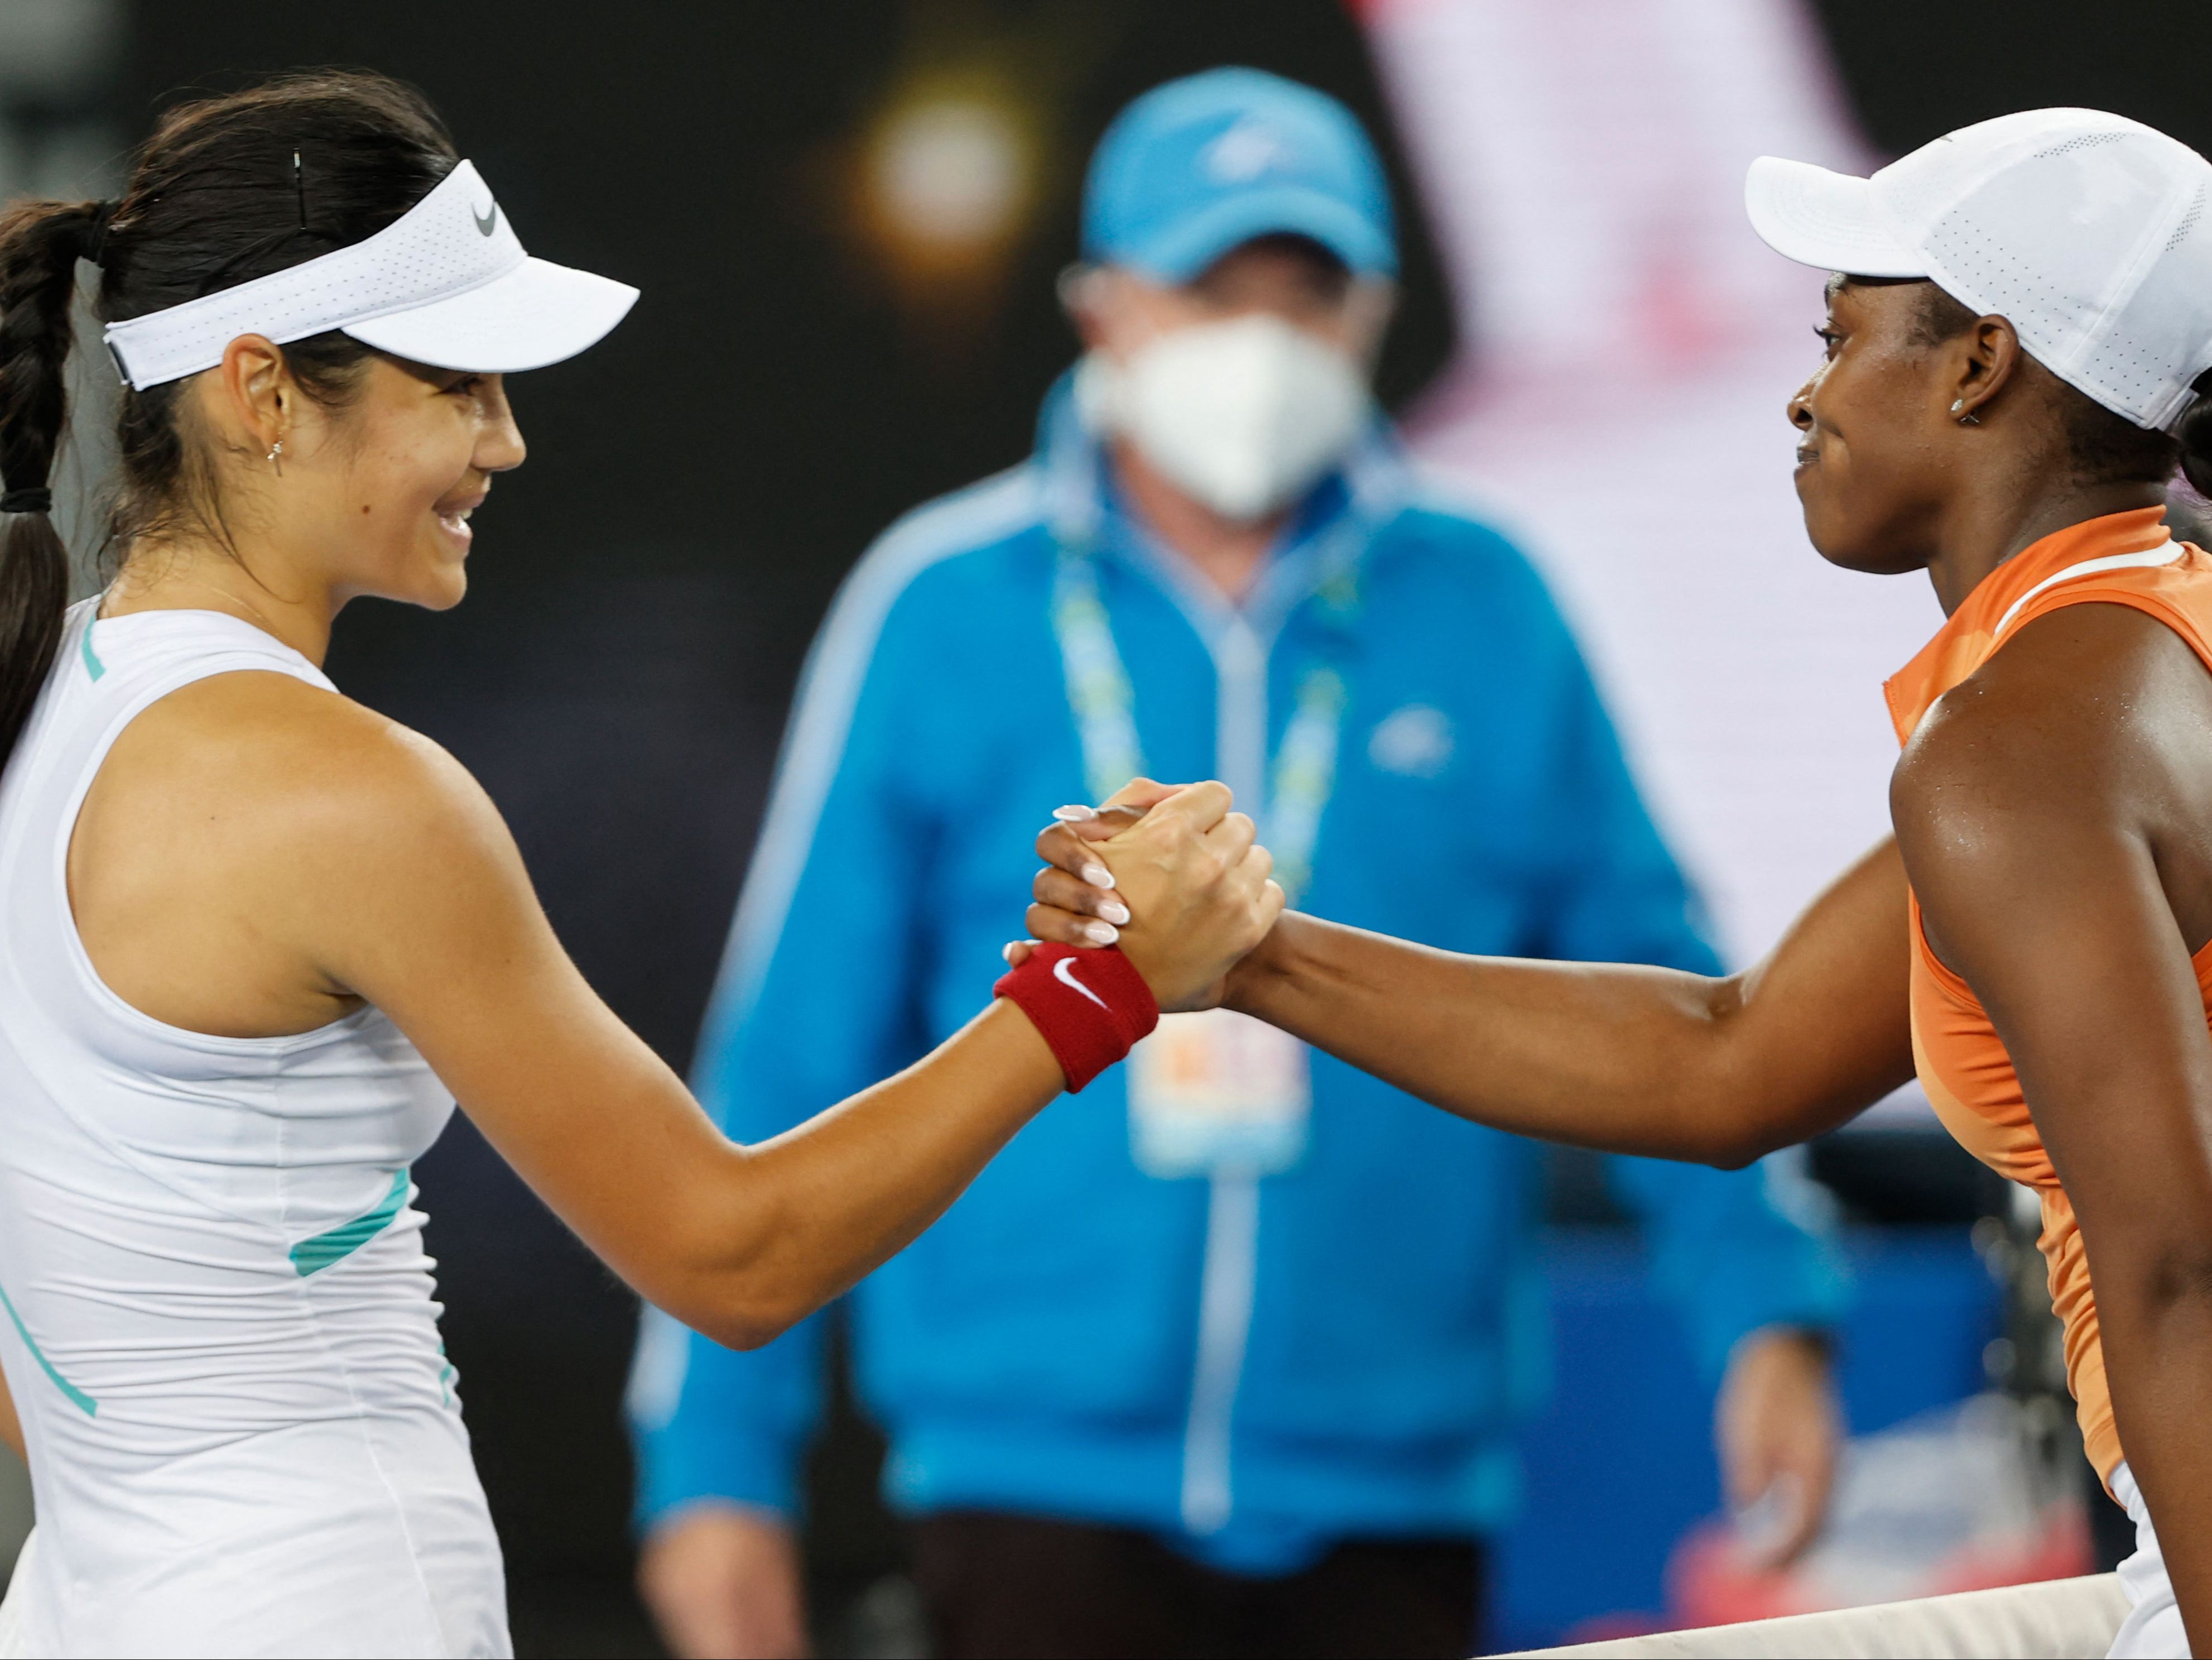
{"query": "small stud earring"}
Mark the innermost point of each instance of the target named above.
(1958, 403)
(277, 455)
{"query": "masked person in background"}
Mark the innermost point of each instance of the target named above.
(1229, 1358)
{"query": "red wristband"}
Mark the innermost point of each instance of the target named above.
(1091, 1005)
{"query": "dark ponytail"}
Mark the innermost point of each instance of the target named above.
(40, 243)
(226, 189)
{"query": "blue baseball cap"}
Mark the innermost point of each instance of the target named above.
(1195, 168)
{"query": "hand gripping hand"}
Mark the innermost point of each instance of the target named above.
(1171, 873)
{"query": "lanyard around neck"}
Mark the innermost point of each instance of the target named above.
(1104, 702)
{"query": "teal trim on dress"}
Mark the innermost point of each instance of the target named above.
(77, 1398)
(326, 1248)
(91, 657)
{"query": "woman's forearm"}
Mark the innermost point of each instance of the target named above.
(1602, 1054)
(1611, 1056)
(741, 1242)
(2158, 1350)
(801, 1218)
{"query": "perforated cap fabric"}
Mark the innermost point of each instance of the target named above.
(2091, 234)
(446, 283)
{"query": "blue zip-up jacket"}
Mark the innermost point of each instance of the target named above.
(1037, 1350)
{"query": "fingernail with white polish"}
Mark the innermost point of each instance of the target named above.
(1098, 934)
(1113, 912)
(1075, 815)
(1098, 876)
(1006, 951)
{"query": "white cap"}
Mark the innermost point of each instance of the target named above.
(446, 283)
(2091, 234)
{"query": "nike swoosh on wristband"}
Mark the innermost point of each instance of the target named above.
(486, 223)
(1064, 971)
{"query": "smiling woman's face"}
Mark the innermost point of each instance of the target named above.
(1876, 447)
(381, 488)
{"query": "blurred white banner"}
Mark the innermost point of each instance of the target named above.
(1629, 346)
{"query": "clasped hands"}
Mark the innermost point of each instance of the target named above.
(1168, 872)
(1175, 878)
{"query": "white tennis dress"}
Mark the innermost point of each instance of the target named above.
(216, 1317)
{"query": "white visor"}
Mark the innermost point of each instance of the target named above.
(446, 283)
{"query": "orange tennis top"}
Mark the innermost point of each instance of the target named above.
(2122, 559)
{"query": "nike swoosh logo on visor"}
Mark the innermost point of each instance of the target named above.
(486, 223)
(1064, 971)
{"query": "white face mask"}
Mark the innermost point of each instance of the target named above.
(1243, 414)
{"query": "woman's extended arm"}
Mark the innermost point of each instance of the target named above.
(1628, 1059)
(371, 864)
(742, 1242)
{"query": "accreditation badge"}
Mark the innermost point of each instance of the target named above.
(1217, 1093)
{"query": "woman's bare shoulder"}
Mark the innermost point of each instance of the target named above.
(2085, 728)
(247, 833)
(264, 749)
(268, 793)
(2082, 697)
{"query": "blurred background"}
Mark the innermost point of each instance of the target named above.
(847, 217)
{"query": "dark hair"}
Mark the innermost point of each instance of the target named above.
(2188, 516)
(2105, 447)
(227, 189)
(2194, 434)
